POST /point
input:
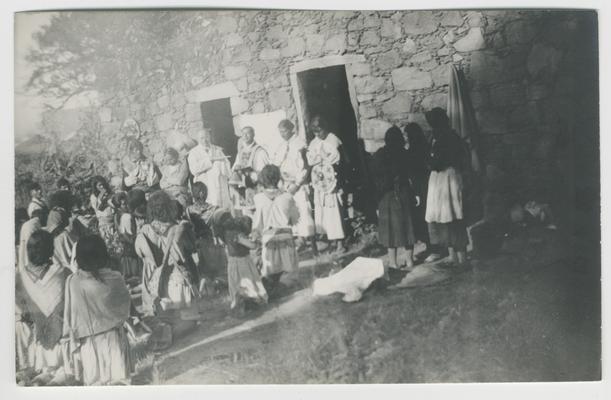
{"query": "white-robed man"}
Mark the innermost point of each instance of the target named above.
(324, 157)
(249, 162)
(209, 165)
(290, 158)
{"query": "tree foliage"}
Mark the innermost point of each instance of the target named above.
(104, 51)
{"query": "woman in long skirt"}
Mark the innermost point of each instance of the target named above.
(396, 197)
(444, 210)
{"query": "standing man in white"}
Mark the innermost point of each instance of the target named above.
(290, 158)
(324, 157)
(209, 165)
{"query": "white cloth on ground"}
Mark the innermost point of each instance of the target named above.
(352, 281)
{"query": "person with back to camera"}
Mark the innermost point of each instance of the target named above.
(419, 151)
(243, 278)
(97, 306)
(444, 209)
(396, 197)
(275, 215)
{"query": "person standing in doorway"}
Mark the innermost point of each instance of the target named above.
(209, 165)
(290, 158)
(324, 157)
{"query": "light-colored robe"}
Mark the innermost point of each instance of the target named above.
(288, 157)
(327, 212)
(210, 166)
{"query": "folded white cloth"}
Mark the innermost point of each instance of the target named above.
(352, 281)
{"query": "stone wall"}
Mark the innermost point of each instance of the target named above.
(522, 68)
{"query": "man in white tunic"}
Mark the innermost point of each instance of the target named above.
(209, 165)
(249, 162)
(290, 158)
(323, 155)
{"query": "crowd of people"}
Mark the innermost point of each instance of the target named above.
(148, 241)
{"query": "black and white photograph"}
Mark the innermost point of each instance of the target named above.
(220, 196)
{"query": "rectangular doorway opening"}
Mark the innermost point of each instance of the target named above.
(217, 113)
(324, 91)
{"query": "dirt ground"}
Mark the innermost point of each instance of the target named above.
(532, 313)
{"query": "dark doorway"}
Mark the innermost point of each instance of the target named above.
(218, 114)
(324, 91)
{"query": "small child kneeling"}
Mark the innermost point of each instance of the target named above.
(244, 280)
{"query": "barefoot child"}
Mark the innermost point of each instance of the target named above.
(275, 215)
(243, 277)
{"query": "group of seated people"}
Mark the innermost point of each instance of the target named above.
(168, 232)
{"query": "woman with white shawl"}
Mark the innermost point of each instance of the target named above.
(39, 293)
(97, 305)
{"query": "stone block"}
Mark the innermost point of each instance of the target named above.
(361, 98)
(367, 111)
(431, 42)
(314, 43)
(235, 71)
(473, 40)
(400, 103)
(295, 47)
(279, 99)
(408, 78)
(409, 46)
(269, 54)
(238, 105)
(419, 22)
(449, 37)
(336, 43)
(389, 60)
(371, 20)
(258, 108)
(241, 84)
(374, 129)
(475, 19)
(452, 18)
(276, 32)
(163, 102)
(368, 84)
(105, 114)
(164, 122)
(193, 112)
(360, 69)
(390, 29)
(421, 57)
(441, 75)
(233, 40)
(435, 100)
(444, 51)
(370, 38)
(226, 24)
(355, 24)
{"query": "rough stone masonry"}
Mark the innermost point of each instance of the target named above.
(523, 68)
